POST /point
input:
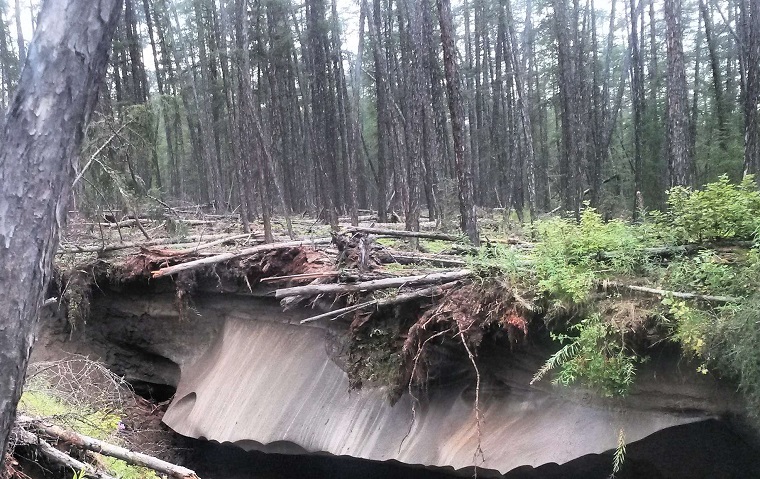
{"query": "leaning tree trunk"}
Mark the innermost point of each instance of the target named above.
(43, 131)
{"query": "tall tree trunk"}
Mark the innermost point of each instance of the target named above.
(462, 164)
(750, 28)
(679, 161)
(40, 141)
(20, 36)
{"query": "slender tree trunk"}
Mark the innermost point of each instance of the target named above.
(469, 221)
(40, 141)
(679, 161)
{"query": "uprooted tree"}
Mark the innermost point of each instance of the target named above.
(41, 137)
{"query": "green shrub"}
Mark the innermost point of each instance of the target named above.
(721, 210)
(595, 356)
(570, 255)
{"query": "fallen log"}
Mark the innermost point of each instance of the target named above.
(404, 257)
(210, 244)
(198, 263)
(107, 449)
(74, 249)
(300, 277)
(315, 289)
(430, 292)
(404, 233)
(55, 455)
(665, 292)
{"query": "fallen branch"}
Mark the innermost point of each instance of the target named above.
(405, 234)
(55, 455)
(101, 447)
(198, 263)
(159, 241)
(430, 292)
(675, 294)
(404, 257)
(315, 289)
(195, 249)
(300, 277)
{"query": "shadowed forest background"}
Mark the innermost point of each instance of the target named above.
(529, 105)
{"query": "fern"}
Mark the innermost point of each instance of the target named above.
(568, 352)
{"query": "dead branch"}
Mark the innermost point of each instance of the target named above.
(404, 257)
(195, 249)
(74, 249)
(27, 438)
(315, 289)
(430, 292)
(665, 292)
(239, 254)
(107, 449)
(404, 233)
(300, 277)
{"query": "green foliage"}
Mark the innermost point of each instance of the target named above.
(374, 356)
(722, 210)
(69, 408)
(90, 422)
(493, 261)
(595, 356)
(122, 470)
(710, 273)
(572, 255)
(727, 339)
(734, 347)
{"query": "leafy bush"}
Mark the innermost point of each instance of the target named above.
(721, 210)
(595, 356)
(571, 255)
(734, 347)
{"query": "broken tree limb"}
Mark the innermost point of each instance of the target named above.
(315, 289)
(239, 254)
(665, 292)
(300, 277)
(74, 249)
(404, 257)
(430, 292)
(210, 244)
(55, 455)
(107, 449)
(405, 234)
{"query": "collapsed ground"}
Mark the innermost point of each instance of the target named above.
(605, 293)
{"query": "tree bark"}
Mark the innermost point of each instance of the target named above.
(41, 138)
(679, 161)
(462, 163)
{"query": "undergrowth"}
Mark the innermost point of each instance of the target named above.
(573, 261)
(85, 397)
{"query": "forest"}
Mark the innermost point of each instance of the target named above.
(590, 171)
(531, 106)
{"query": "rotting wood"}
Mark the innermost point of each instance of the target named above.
(315, 289)
(404, 233)
(238, 254)
(665, 292)
(107, 449)
(55, 455)
(430, 292)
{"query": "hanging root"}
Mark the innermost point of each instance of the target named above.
(478, 415)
